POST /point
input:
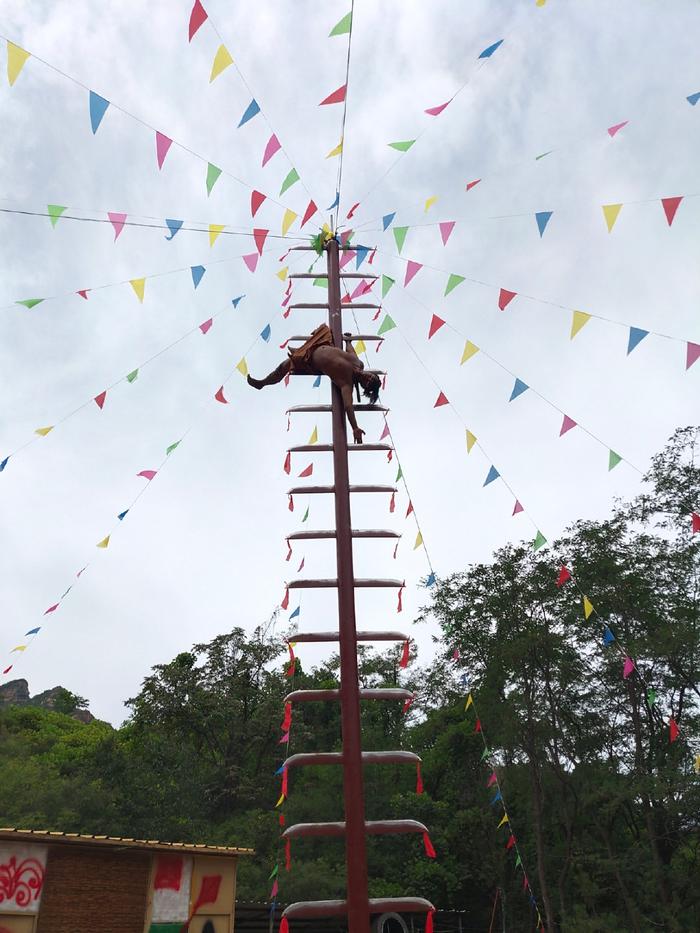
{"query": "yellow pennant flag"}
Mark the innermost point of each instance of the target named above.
(16, 57)
(470, 702)
(314, 436)
(504, 820)
(336, 152)
(579, 320)
(327, 232)
(697, 764)
(18, 648)
(587, 607)
(214, 231)
(139, 287)
(44, 431)
(280, 801)
(429, 203)
(471, 440)
(611, 212)
(360, 347)
(242, 367)
(104, 542)
(288, 220)
(282, 274)
(222, 60)
(419, 541)
(469, 350)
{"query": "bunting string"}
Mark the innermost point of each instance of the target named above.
(345, 108)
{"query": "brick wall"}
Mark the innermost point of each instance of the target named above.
(93, 890)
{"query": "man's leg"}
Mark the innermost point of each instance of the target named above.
(277, 375)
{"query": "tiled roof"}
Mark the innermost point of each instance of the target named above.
(118, 842)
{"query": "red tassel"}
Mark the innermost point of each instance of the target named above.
(286, 378)
(289, 423)
(284, 925)
(384, 382)
(372, 255)
(282, 820)
(526, 883)
(377, 313)
(379, 346)
(390, 456)
(405, 654)
(290, 648)
(291, 503)
(674, 731)
(288, 463)
(392, 502)
(289, 552)
(396, 549)
(419, 781)
(429, 922)
(399, 607)
(427, 844)
(285, 316)
(511, 842)
(407, 704)
(287, 854)
(293, 666)
(287, 721)
(285, 602)
(283, 345)
(285, 782)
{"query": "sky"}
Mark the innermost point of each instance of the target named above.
(202, 550)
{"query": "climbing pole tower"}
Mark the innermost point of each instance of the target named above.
(354, 828)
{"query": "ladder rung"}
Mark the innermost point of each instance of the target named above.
(303, 637)
(315, 490)
(324, 534)
(324, 275)
(329, 583)
(317, 305)
(309, 910)
(302, 759)
(307, 408)
(372, 828)
(366, 693)
(351, 337)
(326, 448)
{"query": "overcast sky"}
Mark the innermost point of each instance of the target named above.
(203, 549)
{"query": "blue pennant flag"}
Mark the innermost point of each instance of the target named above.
(635, 338)
(362, 252)
(197, 273)
(296, 612)
(317, 382)
(98, 108)
(234, 301)
(251, 110)
(32, 631)
(335, 203)
(693, 98)
(487, 53)
(122, 515)
(265, 333)
(280, 769)
(542, 218)
(3, 464)
(387, 219)
(492, 475)
(173, 227)
(608, 637)
(431, 580)
(496, 798)
(518, 388)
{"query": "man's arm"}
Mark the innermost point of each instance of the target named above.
(346, 392)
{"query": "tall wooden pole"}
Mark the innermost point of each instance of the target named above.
(353, 791)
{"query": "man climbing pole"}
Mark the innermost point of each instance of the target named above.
(319, 357)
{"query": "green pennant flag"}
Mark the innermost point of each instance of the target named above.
(133, 376)
(613, 460)
(651, 698)
(273, 873)
(485, 754)
(518, 861)
(400, 237)
(453, 281)
(306, 514)
(212, 176)
(321, 281)
(543, 154)
(399, 474)
(342, 27)
(29, 302)
(403, 145)
(172, 447)
(387, 282)
(539, 541)
(386, 325)
(291, 179)
(55, 211)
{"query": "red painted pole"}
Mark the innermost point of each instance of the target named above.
(353, 791)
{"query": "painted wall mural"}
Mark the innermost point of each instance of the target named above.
(22, 873)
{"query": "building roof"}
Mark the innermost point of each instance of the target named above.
(10, 834)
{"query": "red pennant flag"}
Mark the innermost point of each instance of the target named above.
(392, 502)
(287, 721)
(456, 655)
(435, 325)
(301, 565)
(670, 206)
(288, 462)
(504, 298)
(406, 705)
(492, 780)
(287, 854)
(352, 210)
(477, 727)
(419, 779)
(337, 97)
(517, 508)
(291, 504)
(206, 325)
(260, 236)
(7, 669)
(285, 782)
(285, 602)
(428, 846)
(307, 472)
(147, 474)
(409, 509)
(220, 396)
(564, 575)
(405, 654)
(289, 552)
(51, 609)
(692, 354)
(198, 16)
(290, 649)
(308, 213)
(673, 730)
(471, 184)
(511, 842)
(256, 200)
(100, 399)
(441, 400)
(695, 523)
(282, 819)
(566, 425)
(399, 606)
(83, 293)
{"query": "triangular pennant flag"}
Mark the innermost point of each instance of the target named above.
(222, 60)
(55, 211)
(446, 228)
(673, 730)
(352, 210)
(83, 292)
(342, 26)
(412, 269)
(387, 283)
(173, 226)
(441, 400)
(613, 130)
(197, 273)
(291, 179)
(543, 154)
(307, 471)
(636, 336)
(542, 218)
(387, 220)
(251, 261)
(98, 108)
(539, 541)
(360, 347)
(242, 367)
(608, 637)
(517, 508)
(33, 631)
(3, 463)
(260, 236)
(50, 609)
(400, 237)
(452, 282)
(265, 333)
(147, 474)
(518, 388)
(403, 145)
(436, 111)
(504, 820)
(104, 542)
(219, 396)
(306, 514)
(288, 220)
(256, 199)
(472, 184)
(587, 607)
(273, 145)
(611, 212)
(692, 354)
(361, 253)
(564, 575)
(470, 349)
(100, 399)
(694, 522)
(335, 152)
(214, 232)
(628, 667)
(419, 541)
(336, 97)
(314, 436)
(578, 321)
(213, 172)
(198, 16)
(163, 144)
(471, 440)
(613, 460)
(670, 206)
(132, 376)
(566, 425)
(16, 57)
(251, 110)
(282, 274)
(435, 325)
(429, 203)
(386, 325)
(44, 431)
(30, 302)
(171, 448)
(488, 52)
(139, 287)
(428, 846)
(491, 475)
(317, 382)
(117, 221)
(693, 98)
(504, 298)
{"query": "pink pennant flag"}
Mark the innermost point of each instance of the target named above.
(260, 236)
(198, 16)
(670, 206)
(504, 298)
(446, 228)
(359, 290)
(435, 325)
(492, 780)
(566, 425)
(219, 396)
(471, 184)
(256, 200)
(83, 293)
(147, 474)
(288, 467)
(436, 111)
(308, 213)
(51, 609)
(251, 260)
(100, 399)
(352, 210)
(275, 890)
(441, 400)
(337, 97)
(692, 354)
(348, 256)
(284, 740)
(517, 508)
(273, 146)
(695, 523)
(385, 432)
(412, 269)
(206, 325)
(612, 130)
(117, 221)
(628, 667)
(163, 144)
